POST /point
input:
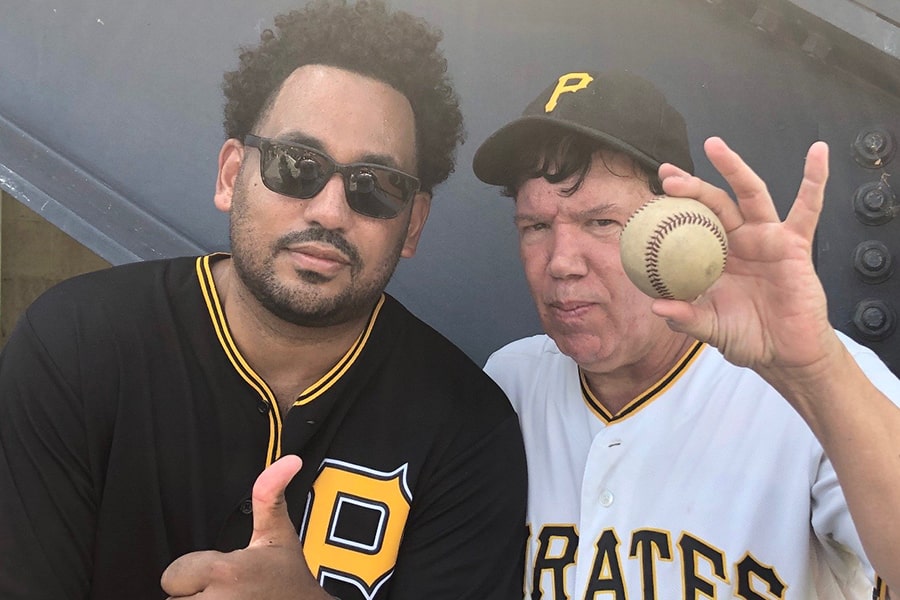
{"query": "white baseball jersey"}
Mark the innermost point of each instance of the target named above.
(707, 485)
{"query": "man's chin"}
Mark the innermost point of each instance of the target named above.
(317, 309)
(305, 316)
(313, 277)
(578, 346)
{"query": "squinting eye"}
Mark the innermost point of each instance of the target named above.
(607, 229)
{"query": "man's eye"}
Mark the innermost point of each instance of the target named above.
(606, 228)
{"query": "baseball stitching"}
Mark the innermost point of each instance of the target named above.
(660, 233)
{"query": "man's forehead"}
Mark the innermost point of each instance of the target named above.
(568, 207)
(347, 113)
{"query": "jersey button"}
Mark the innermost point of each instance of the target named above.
(247, 506)
(606, 498)
(262, 407)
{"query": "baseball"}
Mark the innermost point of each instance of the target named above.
(673, 248)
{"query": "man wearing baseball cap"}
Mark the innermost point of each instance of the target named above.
(685, 449)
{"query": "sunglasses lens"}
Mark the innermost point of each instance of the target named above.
(379, 193)
(294, 171)
(301, 172)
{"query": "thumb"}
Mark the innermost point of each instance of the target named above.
(690, 318)
(271, 523)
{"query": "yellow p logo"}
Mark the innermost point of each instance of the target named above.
(570, 82)
(354, 523)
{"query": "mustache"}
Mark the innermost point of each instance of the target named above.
(320, 234)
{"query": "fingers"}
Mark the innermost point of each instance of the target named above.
(271, 522)
(189, 574)
(751, 191)
(677, 182)
(804, 214)
(754, 202)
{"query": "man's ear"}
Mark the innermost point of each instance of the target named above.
(231, 156)
(420, 209)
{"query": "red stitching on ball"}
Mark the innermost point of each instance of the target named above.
(659, 234)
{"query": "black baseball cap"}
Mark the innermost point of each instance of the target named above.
(617, 108)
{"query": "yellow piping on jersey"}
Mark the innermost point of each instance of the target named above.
(220, 324)
(642, 400)
(326, 381)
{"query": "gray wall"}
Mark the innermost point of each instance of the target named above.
(110, 118)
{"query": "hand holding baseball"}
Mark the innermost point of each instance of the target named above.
(271, 567)
(768, 310)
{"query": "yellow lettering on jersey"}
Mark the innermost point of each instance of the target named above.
(606, 572)
(650, 546)
(752, 575)
(570, 82)
(692, 550)
(557, 545)
(354, 522)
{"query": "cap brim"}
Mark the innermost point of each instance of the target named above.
(493, 159)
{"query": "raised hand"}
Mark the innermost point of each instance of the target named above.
(768, 310)
(271, 567)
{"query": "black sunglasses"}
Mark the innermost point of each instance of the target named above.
(302, 172)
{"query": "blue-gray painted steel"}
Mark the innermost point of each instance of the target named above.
(80, 205)
(117, 109)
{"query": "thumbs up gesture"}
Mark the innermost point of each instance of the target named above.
(271, 567)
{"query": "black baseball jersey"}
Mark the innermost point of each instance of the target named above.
(132, 430)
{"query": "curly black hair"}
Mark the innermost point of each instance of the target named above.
(366, 38)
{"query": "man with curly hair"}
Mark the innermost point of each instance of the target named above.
(270, 423)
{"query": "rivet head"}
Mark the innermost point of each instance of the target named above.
(873, 203)
(874, 319)
(873, 148)
(875, 142)
(872, 261)
(874, 199)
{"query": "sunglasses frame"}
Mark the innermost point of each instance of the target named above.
(347, 171)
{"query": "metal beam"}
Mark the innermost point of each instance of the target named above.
(82, 206)
(875, 22)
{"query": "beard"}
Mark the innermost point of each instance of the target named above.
(303, 301)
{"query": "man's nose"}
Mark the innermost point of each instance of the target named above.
(566, 256)
(329, 207)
